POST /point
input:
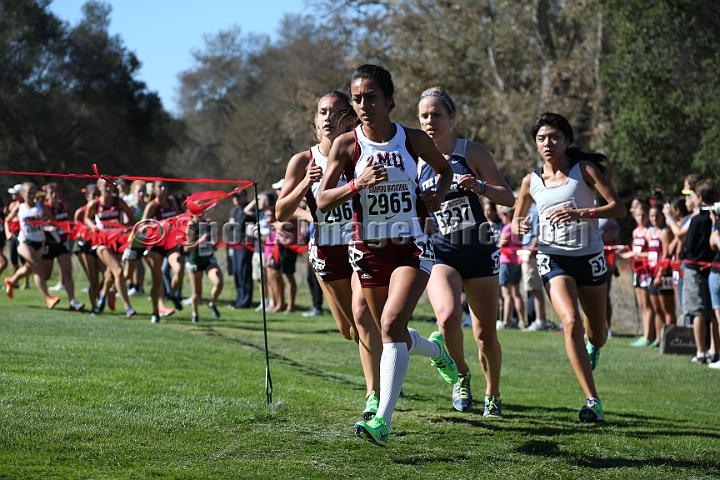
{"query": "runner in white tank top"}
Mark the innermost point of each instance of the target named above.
(328, 250)
(662, 295)
(31, 241)
(572, 263)
(641, 278)
(380, 160)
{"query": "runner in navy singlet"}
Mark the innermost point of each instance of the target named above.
(466, 256)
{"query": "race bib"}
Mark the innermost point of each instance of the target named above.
(598, 264)
(334, 221)
(354, 256)
(205, 249)
(427, 253)
(652, 258)
(558, 232)
(317, 264)
(455, 215)
(496, 262)
(666, 283)
(390, 202)
(543, 264)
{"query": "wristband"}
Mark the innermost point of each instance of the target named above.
(483, 187)
(713, 228)
(352, 186)
(592, 213)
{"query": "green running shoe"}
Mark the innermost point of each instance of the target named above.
(639, 342)
(592, 412)
(493, 407)
(375, 430)
(461, 396)
(654, 344)
(371, 406)
(444, 363)
(594, 355)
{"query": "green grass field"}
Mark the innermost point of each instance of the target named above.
(107, 397)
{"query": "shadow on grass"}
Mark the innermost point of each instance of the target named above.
(306, 370)
(546, 448)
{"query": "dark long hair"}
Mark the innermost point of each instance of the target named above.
(556, 120)
(380, 76)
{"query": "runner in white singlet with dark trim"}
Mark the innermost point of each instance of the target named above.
(570, 256)
(391, 253)
(328, 250)
(31, 240)
(466, 254)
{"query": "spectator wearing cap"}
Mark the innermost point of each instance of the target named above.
(696, 292)
(239, 256)
(510, 272)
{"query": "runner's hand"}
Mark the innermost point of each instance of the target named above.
(431, 200)
(372, 175)
(469, 182)
(314, 173)
(524, 225)
(563, 215)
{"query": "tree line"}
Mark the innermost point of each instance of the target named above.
(638, 80)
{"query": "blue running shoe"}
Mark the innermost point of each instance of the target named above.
(493, 407)
(639, 342)
(594, 355)
(100, 304)
(461, 396)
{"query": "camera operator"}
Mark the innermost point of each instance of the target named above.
(696, 293)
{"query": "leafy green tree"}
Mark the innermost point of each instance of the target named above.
(662, 77)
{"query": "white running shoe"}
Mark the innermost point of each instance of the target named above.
(499, 325)
(56, 288)
(536, 326)
(132, 292)
(187, 301)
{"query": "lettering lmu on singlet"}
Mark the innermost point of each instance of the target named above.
(389, 209)
(578, 238)
(332, 226)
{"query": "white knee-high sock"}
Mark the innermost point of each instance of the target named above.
(422, 346)
(393, 367)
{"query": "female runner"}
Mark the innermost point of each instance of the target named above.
(391, 253)
(108, 208)
(328, 249)
(132, 256)
(660, 287)
(466, 256)
(83, 249)
(641, 277)
(570, 256)
(201, 259)
(55, 245)
(31, 240)
(160, 208)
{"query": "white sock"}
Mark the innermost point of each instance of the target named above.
(393, 367)
(422, 346)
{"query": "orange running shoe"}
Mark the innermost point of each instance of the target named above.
(166, 312)
(52, 301)
(9, 287)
